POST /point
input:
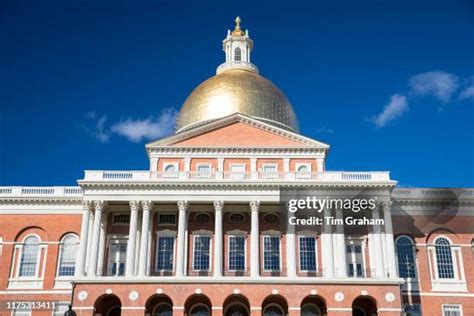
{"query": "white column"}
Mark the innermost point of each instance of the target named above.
(81, 254)
(254, 240)
(327, 246)
(100, 259)
(320, 164)
(89, 240)
(390, 246)
(218, 238)
(181, 240)
(153, 164)
(143, 258)
(286, 164)
(132, 234)
(95, 238)
(340, 247)
(253, 169)
(138, 238)
(378, 254)
(187, 164)
(290, 247)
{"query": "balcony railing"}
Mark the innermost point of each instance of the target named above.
(228, 176)
(433, 193)
(45, 192)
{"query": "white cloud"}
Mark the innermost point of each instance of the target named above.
(439, 84)
(98, 129)
(134, 130)
(467, 93)
(150, 128)
(394, 109)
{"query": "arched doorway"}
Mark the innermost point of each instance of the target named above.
(236, 305)
(198, 305)
(364, 306)
(108, 305)
(313, 305)
(159, 305)
(274, 305)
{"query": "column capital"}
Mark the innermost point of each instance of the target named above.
(147, 205)
(134, 205)
(254, 206)
(183, 205)
(99, 205)
(86, 206)
(386, 205)
(218, 205)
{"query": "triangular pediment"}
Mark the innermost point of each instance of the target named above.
(237, 130)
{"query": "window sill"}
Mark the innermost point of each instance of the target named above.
(63, 283)
(449, 285)
(25, 284)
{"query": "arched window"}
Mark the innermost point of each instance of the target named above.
(67, 256)
(236, 310)
(310, 310)
(200, 310)
(170, 168)
(303, 169)
(163, 309)
(273, 310)
(237, 54)
(29, 257)
(444, 258)
(405, 257)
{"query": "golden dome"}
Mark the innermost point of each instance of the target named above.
(242, 91)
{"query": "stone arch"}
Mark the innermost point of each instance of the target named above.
(32, 230)
(364, 306)
(313, 303)
(273, 302)
(159, 304)
(108, 305)
(195, 302)
(452, 236)
(236, 305)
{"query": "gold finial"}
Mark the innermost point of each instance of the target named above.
(237, 31)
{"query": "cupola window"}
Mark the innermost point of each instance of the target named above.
(237, 54)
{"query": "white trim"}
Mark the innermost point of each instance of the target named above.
(308, 235)
(58, 263)
(459, 305)
(34, 292)
(237, 233)
(165, 233)
(202, 233)
(271, 233)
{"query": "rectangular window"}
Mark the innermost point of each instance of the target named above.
(354, 260)
(121, 219)
(271, 253)
(237, 253)
(452, 310)
(307, 254)
(29, 260)
(167, 219)
(165, 253)
(117, 258)
(203, 171)
(237, 171)
(60, 308)
(202, 253)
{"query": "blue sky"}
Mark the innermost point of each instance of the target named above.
(389, 85)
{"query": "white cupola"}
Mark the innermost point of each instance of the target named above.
(237, 47)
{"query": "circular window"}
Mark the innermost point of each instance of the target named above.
(170, 168)
(203, 217)
(236, 217)
(303, 169)
(271, 218)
